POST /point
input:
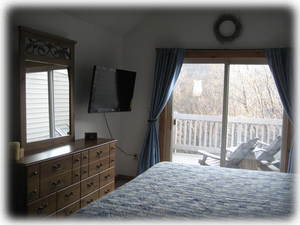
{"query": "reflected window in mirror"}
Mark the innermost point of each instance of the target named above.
(47, 103)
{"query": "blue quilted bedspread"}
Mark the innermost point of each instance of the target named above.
(189, 191)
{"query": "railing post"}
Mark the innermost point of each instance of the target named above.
(190, 132)
(245, 132)
(205, 133)
(232, 134)
(175, 127)
(195, 132)
(268, 135)
(239, 134)
(210, 137)
(216, 134)
(184, 133)
(200, 133)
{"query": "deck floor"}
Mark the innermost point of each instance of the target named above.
(187, 158)
(194, 160)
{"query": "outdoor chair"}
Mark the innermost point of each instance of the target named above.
(238, 157)
(264, 154)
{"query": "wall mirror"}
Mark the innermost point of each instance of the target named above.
(47, 75)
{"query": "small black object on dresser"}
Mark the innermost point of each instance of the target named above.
(90, 136)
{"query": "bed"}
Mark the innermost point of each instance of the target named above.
(172, 190)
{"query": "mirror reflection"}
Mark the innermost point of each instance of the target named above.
(47, 101)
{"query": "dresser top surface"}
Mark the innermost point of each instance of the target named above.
(63, 150)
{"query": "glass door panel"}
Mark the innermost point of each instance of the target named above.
(197, 114)
(254, 119)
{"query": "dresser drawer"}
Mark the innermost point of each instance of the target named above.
(112, 160)
(76, 158)
(106, 189)
(98, 166)
(33, 191)
(112, 148)
(68, 195)
(98, 153)
(33, 173)
(55, 183)
(89, 185)
(75, 175)
(44, 206)
(84, 172)
(84, 157)
(56, 166)
(107, 176)
(105, 164)
(69, 209)
(88, 199)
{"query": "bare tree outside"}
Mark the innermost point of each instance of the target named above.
(254, 95)
(210, 78)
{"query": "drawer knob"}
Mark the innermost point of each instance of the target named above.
(100, 165)
(112, 160)
(76, 175)
(84, 171)
(57, 182)
(35, 173)
(33, 192)
(107, 176)
(90, 184)
(106, 191)
(68, 195)
(85, 157)
(76, 160)
(56, 166)
(42, 207)
(99, 153)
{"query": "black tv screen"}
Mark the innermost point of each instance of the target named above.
(111, 90)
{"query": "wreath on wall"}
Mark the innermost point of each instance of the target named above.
(227, 18)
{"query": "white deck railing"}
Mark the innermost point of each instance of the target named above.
(192, 132)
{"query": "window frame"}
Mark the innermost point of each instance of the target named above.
(255, 56)
(24, 58)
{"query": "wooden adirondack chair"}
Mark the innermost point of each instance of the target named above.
(238, 157)
(264, 153)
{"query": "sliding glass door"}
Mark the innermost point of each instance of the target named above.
(227, 114)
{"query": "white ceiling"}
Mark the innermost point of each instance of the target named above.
(116, 22)
(123, 20)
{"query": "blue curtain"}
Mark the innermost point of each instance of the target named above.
(280, 62)
(167, 68)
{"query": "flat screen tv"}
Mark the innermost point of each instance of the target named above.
(111, 90)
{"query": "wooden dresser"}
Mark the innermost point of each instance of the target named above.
(59, 181)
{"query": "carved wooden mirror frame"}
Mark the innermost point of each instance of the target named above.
(40, 47)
